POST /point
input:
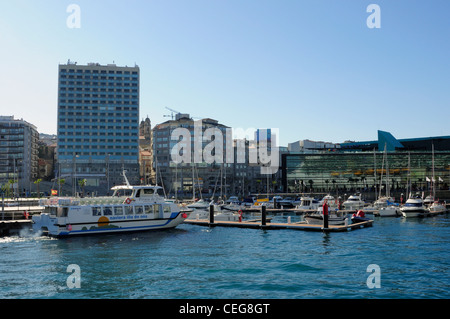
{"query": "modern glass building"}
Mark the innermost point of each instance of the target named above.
(354, 170)
(98, 124)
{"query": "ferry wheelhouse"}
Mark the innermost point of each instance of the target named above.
(130, 208)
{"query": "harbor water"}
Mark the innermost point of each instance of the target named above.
(413, 256)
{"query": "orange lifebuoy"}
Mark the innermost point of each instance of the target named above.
(128, 201)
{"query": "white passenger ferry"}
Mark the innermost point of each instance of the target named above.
(130, 208)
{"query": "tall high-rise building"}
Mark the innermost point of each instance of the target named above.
(18, 155)
(98, 125)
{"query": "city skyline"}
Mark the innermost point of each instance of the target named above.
(315, 70)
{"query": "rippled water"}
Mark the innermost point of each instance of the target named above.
(199, 262)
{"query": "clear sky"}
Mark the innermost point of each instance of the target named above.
(311, 68)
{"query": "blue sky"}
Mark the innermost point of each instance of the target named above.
(311, 68)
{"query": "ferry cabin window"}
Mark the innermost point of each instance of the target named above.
(62, 211)
(128, 210)
(138, 210)
(118, 210)
(123, 192)
(50, 210)
(166, 209)
(96, 211)
(148, 191)
(107, 211)
(148, 209)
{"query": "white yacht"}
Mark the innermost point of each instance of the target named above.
(140, 208)
(389, 211)
(200, 204)
(414, 207)
(383, 201)
(219, 214)
(308, 203)
(285, 202)
(353, 202)
(330, 200)
(436, 208)
(334, 217)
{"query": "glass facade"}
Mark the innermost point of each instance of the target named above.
(362, 171)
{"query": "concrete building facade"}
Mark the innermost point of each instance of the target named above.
(98, 125)
(18, 155)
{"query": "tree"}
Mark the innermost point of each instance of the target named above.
(37, 182)
(61, 182)
(82, 183)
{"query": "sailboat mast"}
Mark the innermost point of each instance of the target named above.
(433, 184)
(193, 184)
(375, 171)
(388, 188)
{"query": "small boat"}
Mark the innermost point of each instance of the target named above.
(141, 208)
(308, 203)
(389, 211)
(334, 218)
(200, 204)
(414, 207)
(436, 208)
(219, 214)
(233, 204)
(359, 217)
(286, 202)
(353, 202)
(330, 200)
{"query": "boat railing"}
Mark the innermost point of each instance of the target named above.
(75, 201)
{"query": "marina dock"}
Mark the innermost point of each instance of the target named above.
(295, 226)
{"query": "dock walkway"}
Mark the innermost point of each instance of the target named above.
(296, 226)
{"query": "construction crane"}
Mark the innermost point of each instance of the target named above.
(173, 112)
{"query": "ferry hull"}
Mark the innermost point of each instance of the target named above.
(61, 227)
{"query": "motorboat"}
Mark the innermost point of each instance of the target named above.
(219, 214)
(428, 200)
(383, 201)
(308, 203)
(285, 202)
(330, 200)
(436, 208)
(130, 208)
(353, 202)
(334, 218)
(296, 201)
(200, 204)
(359, 217)
(414, 207)
(389, 211)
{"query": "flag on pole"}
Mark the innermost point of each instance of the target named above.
(54, 192)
